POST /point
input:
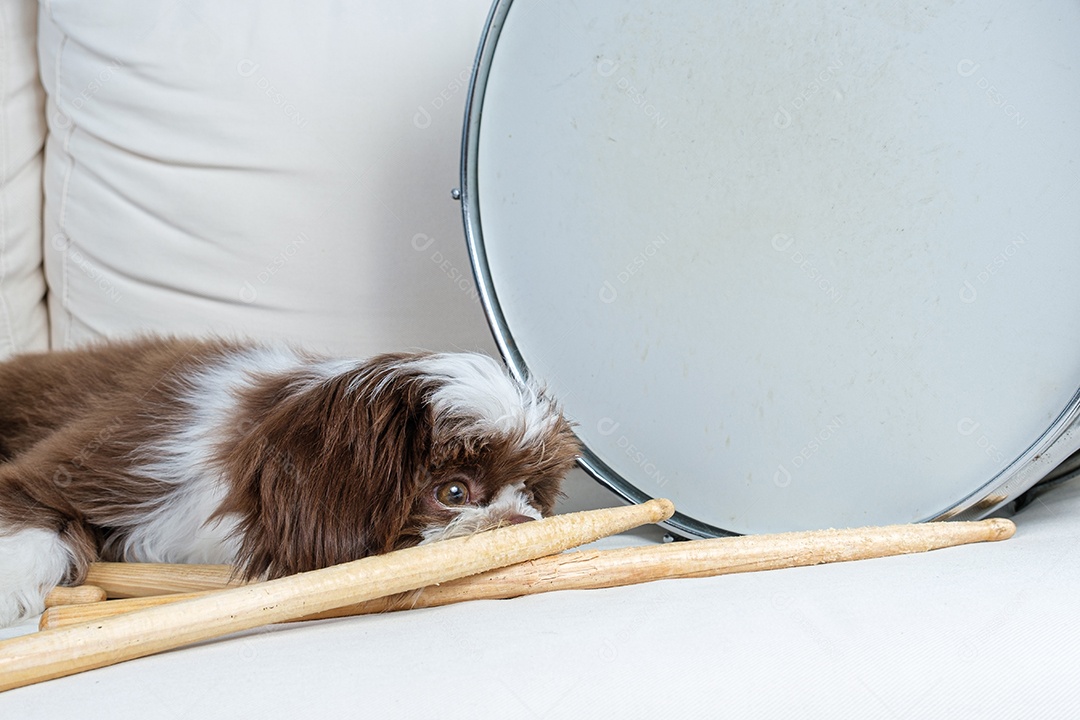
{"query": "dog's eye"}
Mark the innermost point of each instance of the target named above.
(452, 494)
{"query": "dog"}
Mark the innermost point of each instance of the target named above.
(265, 457)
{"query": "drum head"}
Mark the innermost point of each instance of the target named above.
(789, 265)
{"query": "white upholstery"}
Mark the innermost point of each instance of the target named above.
(283, 169)
(23, 321)
(266, 169)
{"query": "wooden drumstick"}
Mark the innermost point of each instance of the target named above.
(78, 595)
(128, 580)
(588, 569)
(64, 651)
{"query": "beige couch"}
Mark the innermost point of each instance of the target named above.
(284, 170)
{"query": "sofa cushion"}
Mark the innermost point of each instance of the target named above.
(279, 170)
(23, 320)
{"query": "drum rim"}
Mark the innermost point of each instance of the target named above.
(1060, 440)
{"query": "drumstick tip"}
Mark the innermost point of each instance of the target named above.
(999, 529)
(663, 509)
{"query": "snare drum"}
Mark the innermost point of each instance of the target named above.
(791, 266)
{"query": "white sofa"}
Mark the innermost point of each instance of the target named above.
(283, 170)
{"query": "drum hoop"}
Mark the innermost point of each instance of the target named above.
(1060, 440)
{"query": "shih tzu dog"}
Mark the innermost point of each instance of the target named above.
(166, 450)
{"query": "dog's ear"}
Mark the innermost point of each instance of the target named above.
(326, 470)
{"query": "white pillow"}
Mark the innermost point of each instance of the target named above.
(273, 169)
(23, 320)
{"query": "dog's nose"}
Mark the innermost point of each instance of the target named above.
(518, 519)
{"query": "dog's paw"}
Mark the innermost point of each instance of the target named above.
(32, 562)
(18, 606)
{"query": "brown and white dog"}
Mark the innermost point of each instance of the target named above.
(165, 450)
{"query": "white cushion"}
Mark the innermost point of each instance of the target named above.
(23, 320)
(276, 169)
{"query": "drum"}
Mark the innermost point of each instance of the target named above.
(790, 265)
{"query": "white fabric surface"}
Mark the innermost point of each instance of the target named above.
(988, 630)
(264, 169)
(23, 320)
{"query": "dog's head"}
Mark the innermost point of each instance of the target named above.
(352, 459)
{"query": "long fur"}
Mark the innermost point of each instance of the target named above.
(167, 450)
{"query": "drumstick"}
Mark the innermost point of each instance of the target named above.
(79, 595)
(64, 651)
(589, 569)
(125, 580)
